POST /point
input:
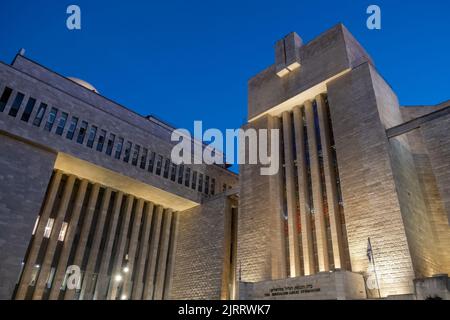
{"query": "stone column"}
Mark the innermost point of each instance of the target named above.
(319, 218)
(138, 284)
(132, 246)
(119, 258)
(89, 279)
(102, 279)
(330, 182)
(171, 256)
(305, 210)
(38, 236)
(149, 283)
(276, 232)
(68, 241)
(53, 240)
(162, 256)
(294, 260)
(79, 253)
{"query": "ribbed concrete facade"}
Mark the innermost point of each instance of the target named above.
(87, 183)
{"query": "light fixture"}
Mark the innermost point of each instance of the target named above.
(123, 297)
(126, 269)
(118, 277)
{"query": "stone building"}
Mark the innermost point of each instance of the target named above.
(356, 165)
(86, 182)
(88, 186)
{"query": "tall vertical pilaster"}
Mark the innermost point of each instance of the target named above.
(138, 284)
(330, 181)
(38, 236)
(89, 278)
(132, 246)
(149, 281)
(120, 254)
(84, 234)
(102, 280)
(319, 218)
(305, 210)
(68, 241)
(294, 260)
(162, 256)
(53, 240)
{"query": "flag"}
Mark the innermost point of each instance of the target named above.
(369, 250)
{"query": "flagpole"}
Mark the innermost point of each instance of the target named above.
(374, 268)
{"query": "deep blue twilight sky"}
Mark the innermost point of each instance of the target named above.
(190, 60)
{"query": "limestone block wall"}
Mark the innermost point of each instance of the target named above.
(371, 205)
(200, 251)
(25, 172)
(261, 242)
(437, 139)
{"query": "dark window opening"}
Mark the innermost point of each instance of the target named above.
(4, 98)
(82, 132)
(91, 137)
(28, 109)
(126, 157)
(101, 140)
(16, 104)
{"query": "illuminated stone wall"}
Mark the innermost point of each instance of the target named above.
(372, 207)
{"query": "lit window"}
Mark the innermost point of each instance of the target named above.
(51, 119)
(48, 228)
(39, 115)
(62, 233)
(82, 132)
(16, 104)
(72, 127)
(28, 109)
(4, 98)
(61, 124)
(91, 137)
(101, 140)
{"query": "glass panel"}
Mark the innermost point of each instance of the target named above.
(16, 104)
(72, 127)
(39, 115)
(51, 119)
(4, 98)
(28, 109)
(61, 123)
